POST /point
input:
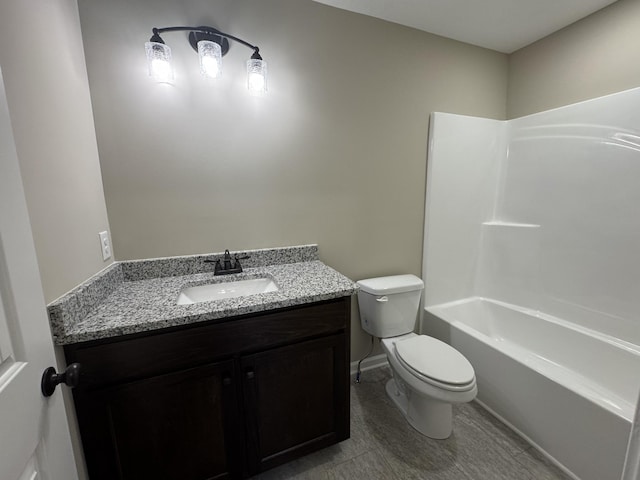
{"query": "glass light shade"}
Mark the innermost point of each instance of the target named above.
(159, 62)
(256, 76)
(210, 55)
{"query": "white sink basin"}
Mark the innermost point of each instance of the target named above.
(218, 291)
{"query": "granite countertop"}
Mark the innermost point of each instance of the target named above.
(132, 297)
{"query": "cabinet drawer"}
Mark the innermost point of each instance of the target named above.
(114, 361)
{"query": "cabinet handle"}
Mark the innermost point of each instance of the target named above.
(250, 375)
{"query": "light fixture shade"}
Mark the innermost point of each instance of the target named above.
(257, 76)
(159, 62)
(210, 55)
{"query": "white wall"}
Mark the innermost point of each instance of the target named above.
(575, 171)
(564, 235)
(462, 180)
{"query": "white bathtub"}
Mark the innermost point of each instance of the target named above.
(569, 391)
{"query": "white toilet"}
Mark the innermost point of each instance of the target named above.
(428, 375)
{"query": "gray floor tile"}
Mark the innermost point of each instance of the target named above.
(368, 466)
(482, 458)
(407, 451)
(371, 383)
(410, 467)
(295, 470)
(494, 428)
(469, 453)
(539, 467)
(314, 466)
(359, 443)
(383, 446)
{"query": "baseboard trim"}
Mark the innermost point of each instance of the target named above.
(369, 363)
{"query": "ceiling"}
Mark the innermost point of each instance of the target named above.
(502, 25)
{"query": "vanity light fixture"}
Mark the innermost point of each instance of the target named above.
(211, 45)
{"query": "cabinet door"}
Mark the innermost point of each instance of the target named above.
(183, 426)
(296, 400)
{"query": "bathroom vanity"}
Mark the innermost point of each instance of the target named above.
(212, 395)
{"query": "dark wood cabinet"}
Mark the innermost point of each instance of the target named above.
(292, 401)
(175, 425)
(226, 399)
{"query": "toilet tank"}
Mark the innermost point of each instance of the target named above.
(389, 306)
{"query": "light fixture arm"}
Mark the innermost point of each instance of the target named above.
(205, 33)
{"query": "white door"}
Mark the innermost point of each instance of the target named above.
(34, 437)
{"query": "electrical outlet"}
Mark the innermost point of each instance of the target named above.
(105, 245)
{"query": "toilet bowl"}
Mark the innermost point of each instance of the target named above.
(428, 375)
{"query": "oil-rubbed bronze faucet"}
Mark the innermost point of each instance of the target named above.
(225, 267)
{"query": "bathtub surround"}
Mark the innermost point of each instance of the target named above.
(541, 211)
(632, 459)
(537, 215)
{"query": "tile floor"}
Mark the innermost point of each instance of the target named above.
(383, 446)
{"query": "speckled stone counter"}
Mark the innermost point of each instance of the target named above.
(138, 296)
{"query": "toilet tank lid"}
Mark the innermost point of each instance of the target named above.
(391, 284)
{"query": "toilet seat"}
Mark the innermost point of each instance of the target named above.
(435, 362)
(419, 388)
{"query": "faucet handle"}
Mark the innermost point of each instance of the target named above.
(217, 266)
(237, 263)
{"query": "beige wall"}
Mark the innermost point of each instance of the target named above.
(593, 57)
(49, 102)
(335, 154)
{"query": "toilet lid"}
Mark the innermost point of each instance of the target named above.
(434, 359)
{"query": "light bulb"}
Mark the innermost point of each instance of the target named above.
(210, 55)
(161, 69)
(257, 76)
(159, 62)
(209, 67)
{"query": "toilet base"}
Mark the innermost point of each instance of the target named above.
(431, 418)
